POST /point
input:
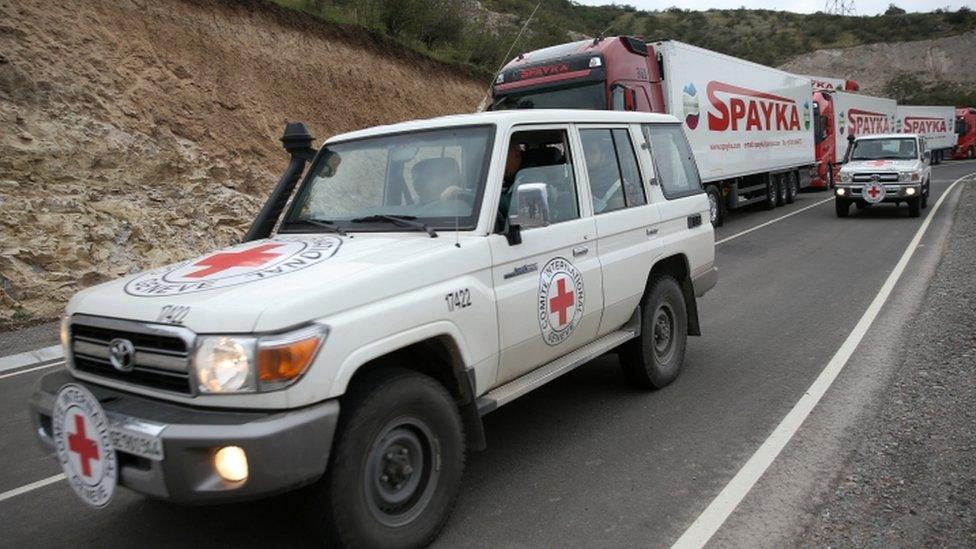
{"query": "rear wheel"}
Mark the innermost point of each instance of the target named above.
(654, 358)
(716, 211)
(396, 466)
(771, 193)
(915, 207)
(792, 187)
(781, 189)
(842, 207)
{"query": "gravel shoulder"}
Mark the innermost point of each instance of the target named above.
(910, 479)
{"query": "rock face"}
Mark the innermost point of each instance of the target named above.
(948, 59)
(133, 134)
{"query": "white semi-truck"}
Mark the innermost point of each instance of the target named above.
(935, 124)
(750, 126)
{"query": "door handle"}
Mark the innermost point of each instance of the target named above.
(651, 231)
(580, 250)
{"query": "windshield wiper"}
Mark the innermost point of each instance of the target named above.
(322, 224)
(398, 220)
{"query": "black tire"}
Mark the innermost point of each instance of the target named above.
(971, 154)
(792, 187)
(915, 206)
(772, 192)
(653, 359)
(925, 196)
(396, 463)
(715, 206)
(830, 178)
(842, 207)
(781, 190)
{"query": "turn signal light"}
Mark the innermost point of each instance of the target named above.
(285, 361)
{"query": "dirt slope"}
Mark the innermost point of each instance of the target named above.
(948, 59)
(133, 133)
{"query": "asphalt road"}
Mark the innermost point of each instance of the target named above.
(587, 460)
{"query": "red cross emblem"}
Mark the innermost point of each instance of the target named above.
(85, 447)
(562, 301)
(873, 191)
(253, 257)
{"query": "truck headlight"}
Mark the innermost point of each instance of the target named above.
(224, 364)
(246, 364)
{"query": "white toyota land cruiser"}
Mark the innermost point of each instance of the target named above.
(420, 276)
(885, 168)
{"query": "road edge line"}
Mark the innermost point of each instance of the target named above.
(718, 511)
(771, 221)
(34, 369)
(32, 486)
(31, 358)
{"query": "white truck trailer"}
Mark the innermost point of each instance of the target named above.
(855, 115)
(935, 124)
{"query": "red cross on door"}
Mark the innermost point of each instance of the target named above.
(85, 447)
(562, 301)
(253, 257)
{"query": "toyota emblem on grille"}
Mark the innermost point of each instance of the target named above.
(121, 353)
(875, 177)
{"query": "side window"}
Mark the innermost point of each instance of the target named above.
(542, 156)
(615, 181)
(675, 163)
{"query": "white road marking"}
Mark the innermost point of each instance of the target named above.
(34, 369)
(32, 486)
(712, 518)
(31, 358)
(770, 222)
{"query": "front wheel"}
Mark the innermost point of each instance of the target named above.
(396, 466)
(654, 358)
(842, 207)
(915, 207)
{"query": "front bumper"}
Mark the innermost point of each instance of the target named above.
(284, 450)
(894, 192)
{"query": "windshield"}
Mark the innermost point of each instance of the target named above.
(885, 149)
(435, 178)
(589, 96)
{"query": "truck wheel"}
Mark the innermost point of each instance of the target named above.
(771, 193)
(830, 177)
(914, 207)
(792, 187)
(654, 358)
(716, 211)
(971, 154)
(396, 463)
(781, 189)
(843, 207)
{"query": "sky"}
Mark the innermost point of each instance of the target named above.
(862, 7)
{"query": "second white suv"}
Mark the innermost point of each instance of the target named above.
(885, 168)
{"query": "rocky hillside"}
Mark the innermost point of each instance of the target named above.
(134, 133)
(944, 62)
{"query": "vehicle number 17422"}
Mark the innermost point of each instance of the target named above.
(458, 299)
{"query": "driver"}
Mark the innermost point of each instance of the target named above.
(437, 180)
(513, 163)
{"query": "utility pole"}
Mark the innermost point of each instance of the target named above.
(839, 7)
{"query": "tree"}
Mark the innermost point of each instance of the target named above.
(894, 10)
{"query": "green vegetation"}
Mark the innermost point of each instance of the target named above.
(459, 31)
(907, 89)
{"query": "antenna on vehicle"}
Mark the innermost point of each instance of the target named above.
(484, 100)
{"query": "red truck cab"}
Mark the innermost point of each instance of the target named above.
(966, 132)
(825, 141)
(600, 73)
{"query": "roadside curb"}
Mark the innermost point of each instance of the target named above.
(31, 358)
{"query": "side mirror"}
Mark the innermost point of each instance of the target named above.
(630, 99)
(529, 209)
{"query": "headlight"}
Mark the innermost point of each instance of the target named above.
(245, 364)
(916, 176)
(909, 176)
(845, 177)
(223, 364)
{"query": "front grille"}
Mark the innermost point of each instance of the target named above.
(882, 176)
(161, 359)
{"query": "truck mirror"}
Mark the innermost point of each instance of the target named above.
(530, 206)
(630, 99)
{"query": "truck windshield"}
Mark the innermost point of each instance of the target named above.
(396, 182)
(885, 149)
(587, 96)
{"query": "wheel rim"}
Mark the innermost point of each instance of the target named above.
(663, 333)
(712, 208)
(793, 189)
(782, 193)
(400, 474)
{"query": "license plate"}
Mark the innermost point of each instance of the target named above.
(136, 436)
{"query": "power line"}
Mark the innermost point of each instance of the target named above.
(840, 7)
